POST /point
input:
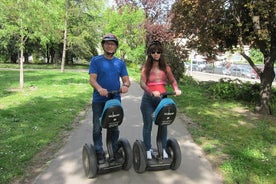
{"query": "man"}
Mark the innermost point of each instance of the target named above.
(105, 73)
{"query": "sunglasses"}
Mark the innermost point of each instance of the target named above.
(156, 52)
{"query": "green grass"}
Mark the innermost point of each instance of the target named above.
(34, 117)
(240, 144)
(44, 66)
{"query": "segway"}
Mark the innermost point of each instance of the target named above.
(164, 114)
(112, 116)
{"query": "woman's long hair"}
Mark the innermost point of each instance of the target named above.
(155, 46)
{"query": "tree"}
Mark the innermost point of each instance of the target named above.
(156, 18)
(127, 23)
(80, 28)
(38, 27)
(18, 22)
(221, 25)
(84, 28)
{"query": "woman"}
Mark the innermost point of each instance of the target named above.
(155, 74)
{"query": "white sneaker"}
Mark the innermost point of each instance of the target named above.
(165, 154)
(149, 156)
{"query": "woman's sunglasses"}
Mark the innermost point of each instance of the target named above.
(156, 52)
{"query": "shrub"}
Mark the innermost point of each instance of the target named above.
(174, 61)
(188, 80)
(235, 89)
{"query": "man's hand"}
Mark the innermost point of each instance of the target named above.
(124, 89)
(103, 92)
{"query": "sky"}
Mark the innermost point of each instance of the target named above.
(111, 2)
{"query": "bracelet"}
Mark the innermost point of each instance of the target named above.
(126, 85)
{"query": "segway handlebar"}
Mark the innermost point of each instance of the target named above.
(165, 94)
(111, 94)
(114, 92)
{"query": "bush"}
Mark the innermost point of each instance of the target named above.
(188, 80)
(235, 89)
(174, 61)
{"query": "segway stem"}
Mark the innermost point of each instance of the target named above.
(111, 95)
(161, 129)
(159, 141)
(109, 144)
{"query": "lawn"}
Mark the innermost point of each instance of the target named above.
(239, 144)
(33, 118)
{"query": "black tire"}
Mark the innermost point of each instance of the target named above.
(139, 156)
(89, 161)
(174, 152)
(125, 149)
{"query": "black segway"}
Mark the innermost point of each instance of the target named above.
(164, 114)
(112, 116)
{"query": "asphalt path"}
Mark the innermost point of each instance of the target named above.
(66, 167)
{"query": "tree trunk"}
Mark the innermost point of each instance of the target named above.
(267, 78)
(21, 76)
(52, 53)
(48, 54)
(21, 73)
(64, 38)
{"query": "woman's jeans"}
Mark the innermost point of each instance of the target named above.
(97, 109)
(148, 105)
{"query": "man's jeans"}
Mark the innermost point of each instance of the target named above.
(97, 108)
(148, 105)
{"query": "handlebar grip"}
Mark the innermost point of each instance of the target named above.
(114, 92)
(167, 93)
(111, 94)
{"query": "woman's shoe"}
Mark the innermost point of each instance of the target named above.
(100, 157)
(165, 154)
(149, 156)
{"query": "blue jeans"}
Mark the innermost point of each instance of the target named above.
(97, 109)
(148, 105)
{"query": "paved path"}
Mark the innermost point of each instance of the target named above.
(66, 168)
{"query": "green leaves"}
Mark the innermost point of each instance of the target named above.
(127, 24)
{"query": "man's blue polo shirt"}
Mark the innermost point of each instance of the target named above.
(108, 74)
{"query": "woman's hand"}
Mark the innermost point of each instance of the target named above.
(177, 92)
(156, 93)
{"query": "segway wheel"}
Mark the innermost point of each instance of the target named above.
(174, 152)
(125, 149)
(139, 156)
(89, 161)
